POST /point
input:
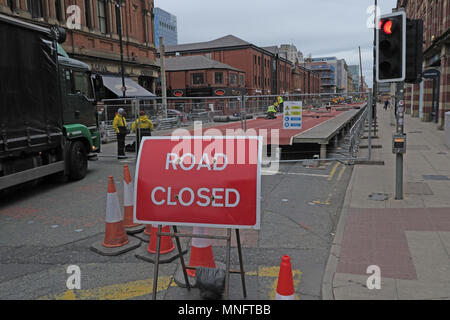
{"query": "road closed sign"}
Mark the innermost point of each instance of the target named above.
(199, 181)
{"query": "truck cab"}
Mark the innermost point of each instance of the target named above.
(48, 123)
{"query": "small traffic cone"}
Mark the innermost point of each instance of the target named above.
(166, 243)
(116, 240)
(145, 236)
(166, 249)
(285, 286)
(130, 226)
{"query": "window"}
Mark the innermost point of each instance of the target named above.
(254, 59)
(242, 80)
(259, 61)
(218, 77)
(101, 11)
(233, 78)
(197, 78)
(11, 4)
(78, 82)
(58, 10)
(35, 8)
(87, 13)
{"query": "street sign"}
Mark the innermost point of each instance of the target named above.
(199, 181)
(292, 115)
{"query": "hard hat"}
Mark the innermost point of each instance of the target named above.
(120, 110)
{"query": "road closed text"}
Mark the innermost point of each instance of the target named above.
(201, 197)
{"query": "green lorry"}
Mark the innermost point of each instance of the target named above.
(48, 113)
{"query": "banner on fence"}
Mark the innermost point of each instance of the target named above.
(199, 181)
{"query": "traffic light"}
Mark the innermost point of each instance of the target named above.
(414, 50)
(391, 47)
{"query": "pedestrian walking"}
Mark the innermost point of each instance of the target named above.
(386, 104)
(120, 126)
(142, 126)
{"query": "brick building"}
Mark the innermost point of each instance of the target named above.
(97, 41)
(265, 72)
(436, 18)
(304, 81)
(199, 76)
(193, 77)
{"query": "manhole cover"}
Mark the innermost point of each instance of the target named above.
(378, 196)
(435, 177)
(441, 152)
(418, 131)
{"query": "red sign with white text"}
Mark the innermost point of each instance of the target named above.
(201, 181)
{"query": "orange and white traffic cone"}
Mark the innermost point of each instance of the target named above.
(166, 248)
(166, 243)
(116, 240)
(130, 226)
(201, 256)
(201, 252)
(285, 286)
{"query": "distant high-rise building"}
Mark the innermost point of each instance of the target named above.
(166, 27)
(355, 71)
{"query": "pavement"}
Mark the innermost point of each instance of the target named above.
(406, 241)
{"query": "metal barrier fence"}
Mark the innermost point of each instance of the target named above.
(178, 112)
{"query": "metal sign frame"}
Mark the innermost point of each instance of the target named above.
(256, 226)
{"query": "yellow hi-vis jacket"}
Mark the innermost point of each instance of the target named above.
(143, 122)
(280, 100)
(271, 108)
(119, 121)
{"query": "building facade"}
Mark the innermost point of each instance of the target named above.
(96, 40)
(266, 72)
(436, 49)
(354, 70)
(327, 74)
(166, 27)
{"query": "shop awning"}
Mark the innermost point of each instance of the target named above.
(114, 84)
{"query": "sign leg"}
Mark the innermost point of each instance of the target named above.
(227, 261)
(155, 272)
(241, 263)
(177, 240)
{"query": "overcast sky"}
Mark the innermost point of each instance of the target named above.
(316, 27)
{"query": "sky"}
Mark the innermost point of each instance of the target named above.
(315, 27)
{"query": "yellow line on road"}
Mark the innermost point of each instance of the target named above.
(139, 288)
(121, 291)
(333, 171)
(341, 173)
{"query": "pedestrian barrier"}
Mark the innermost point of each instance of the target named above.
(116, 240)
(128, 194)
(285, 285)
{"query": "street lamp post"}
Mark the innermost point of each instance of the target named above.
(118, 4)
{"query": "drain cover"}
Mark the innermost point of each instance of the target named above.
(435, 177)
(378, 196)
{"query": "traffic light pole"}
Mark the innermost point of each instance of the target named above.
(399, 114)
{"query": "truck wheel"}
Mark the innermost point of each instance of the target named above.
(77, 160)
